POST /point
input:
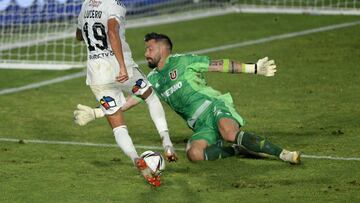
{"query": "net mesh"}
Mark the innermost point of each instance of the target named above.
(40, 34)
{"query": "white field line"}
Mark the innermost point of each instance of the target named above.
(88, 144)
(77, 143)
(40, 84)
(202, 51)
(135, 23)
(277, 37)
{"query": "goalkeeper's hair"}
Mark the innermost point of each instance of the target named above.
(159, 37)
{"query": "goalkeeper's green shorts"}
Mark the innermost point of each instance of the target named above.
(206, 126)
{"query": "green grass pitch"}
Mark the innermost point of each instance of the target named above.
(312, 105)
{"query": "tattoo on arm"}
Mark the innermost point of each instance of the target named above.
(216, 63)
(223, 65)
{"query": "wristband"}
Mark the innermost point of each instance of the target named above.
(249, 68)
(226, 65)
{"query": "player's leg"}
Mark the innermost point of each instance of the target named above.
(255, 144)
(111, 100)
(260, 146)
(195, 151)
(139, 86)
(199, 150)
(206, 143)
(229, 129)
(111, 104)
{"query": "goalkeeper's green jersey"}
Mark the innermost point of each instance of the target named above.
(181, 84)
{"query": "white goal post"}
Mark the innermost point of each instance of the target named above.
(40, 34)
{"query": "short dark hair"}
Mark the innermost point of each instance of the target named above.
(159, 37)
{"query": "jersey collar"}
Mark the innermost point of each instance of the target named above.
(165, 65)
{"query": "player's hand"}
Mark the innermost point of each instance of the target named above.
(85, 114)
(266, 67)
(170, 154)
(122, 77)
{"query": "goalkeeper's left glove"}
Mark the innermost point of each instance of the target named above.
(263, 67)
(84, 114)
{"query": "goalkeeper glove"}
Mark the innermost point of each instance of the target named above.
(263, 67)
(84, 114)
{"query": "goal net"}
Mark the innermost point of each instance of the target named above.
(328, 7)
(40, 34)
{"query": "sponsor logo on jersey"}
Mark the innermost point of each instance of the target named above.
(173, 74)
(101, 55)
(94, 3)
(171, 90)
(107, 102)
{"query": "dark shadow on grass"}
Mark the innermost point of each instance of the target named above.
(105, 163)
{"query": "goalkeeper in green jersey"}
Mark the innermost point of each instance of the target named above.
(179, 81)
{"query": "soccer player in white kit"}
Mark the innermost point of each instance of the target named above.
(112, 70)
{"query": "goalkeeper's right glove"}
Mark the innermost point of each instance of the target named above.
(84, 114)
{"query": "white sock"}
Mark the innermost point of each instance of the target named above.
(165, 138)
(124, 141)
(157, 114)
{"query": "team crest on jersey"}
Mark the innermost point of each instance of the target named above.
(94, 3)
(107, 102)
(173, 74)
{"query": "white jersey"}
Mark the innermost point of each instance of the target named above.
(102, 66)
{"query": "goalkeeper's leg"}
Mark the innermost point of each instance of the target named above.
(254, 144)
(199, 150)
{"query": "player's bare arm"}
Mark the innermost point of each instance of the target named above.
(263, 67)
(79, 36)
(115, 42)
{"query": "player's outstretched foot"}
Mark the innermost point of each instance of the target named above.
(170, 154)
(292, 157)
(154, 180)
(146, 172)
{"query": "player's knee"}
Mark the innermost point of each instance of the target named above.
(195, 154)
(229, 134)
(228, 129)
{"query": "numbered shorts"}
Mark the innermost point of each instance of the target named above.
(206, 127)
(111, 96)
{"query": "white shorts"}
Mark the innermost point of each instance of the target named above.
(111, 96)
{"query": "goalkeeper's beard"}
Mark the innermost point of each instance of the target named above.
(152, 63)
